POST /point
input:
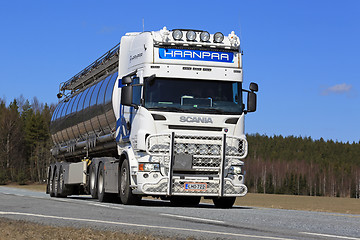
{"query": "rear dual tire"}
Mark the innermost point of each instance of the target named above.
(101, 194)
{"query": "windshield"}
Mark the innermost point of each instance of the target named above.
(193, 95)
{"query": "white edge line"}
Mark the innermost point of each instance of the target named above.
(328, 235)
(192, 218)
(142, 225)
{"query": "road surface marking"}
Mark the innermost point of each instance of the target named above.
(142, 225)
(103, 205)
(330, 236)
(192, 218)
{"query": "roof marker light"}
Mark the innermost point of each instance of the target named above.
(218, 37)
(177, 34)
(204, 36)
(190, 35)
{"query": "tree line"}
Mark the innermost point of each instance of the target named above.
(25, 140)
(302, 166)
(281, 165)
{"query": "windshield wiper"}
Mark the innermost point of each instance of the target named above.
(216, 110)
(171, 109)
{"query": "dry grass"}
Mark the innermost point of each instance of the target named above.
(12, 229)
(33, 187)
(308, 203)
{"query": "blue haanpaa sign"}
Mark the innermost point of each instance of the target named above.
(198, 55)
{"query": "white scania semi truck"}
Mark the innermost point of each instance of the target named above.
(161, 114)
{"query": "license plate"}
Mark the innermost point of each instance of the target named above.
(195, 186)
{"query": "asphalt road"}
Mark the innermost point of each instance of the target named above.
(159, 218)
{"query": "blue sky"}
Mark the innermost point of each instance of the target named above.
(303, 54)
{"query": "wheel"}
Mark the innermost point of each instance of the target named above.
(184, 201)
(56, 183)
(61, 184)
(48, 181)
(93, 183)
(126, 195)
(224, 202)
(102, 195)
(51, 185)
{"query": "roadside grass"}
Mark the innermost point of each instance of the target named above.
(291, 202)
(16, 229)
(306, 203)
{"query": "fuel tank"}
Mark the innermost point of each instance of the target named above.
(85, 118)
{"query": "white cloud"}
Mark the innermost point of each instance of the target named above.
(337, 89)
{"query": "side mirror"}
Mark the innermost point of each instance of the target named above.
(126, 80)
(127, 95)
(254, 87)
(251, 102)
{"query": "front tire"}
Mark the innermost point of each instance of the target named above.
(224, 202)
(126, 195)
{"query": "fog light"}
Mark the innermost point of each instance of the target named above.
(203, 150)
(236, 170)
(218, 37)
(177, 34)
(215, 150)
(146, 175)
(179, 148)
(191, 149)
(190, 35)
(204, 36)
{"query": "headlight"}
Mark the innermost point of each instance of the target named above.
(177, 34)
(204, 36)
(218, 37)
(236, 170)
(179, 148)
(149, 167)
(190, 35)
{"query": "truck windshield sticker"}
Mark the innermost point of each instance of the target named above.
(185, 54)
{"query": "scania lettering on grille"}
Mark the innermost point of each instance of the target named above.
(196, 119)
(198, 55)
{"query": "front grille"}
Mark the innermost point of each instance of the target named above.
(205, 152)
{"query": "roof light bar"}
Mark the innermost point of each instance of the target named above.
(191, 36)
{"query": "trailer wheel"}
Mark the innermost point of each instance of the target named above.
(183, 201)
(56, 183)
(51, 184)
(93, 182)
(102, 196)
(61, 184)
(224, 202)
(126, 195)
